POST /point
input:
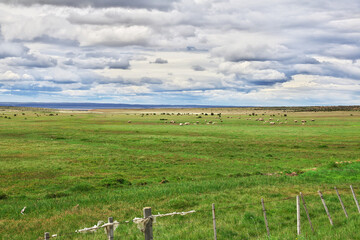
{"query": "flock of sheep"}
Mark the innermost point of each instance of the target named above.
(270, 121)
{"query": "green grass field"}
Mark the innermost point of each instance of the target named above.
(72, 169)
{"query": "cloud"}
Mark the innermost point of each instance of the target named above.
(9, 49)
(120, 64)
(153, 4)
(34, 61)
(160, 61)
(216, 51)
(151, 80)
(253, 52)
(124, 16)
(69, 62)
(55, 41)
(9, 75)
(198, 68)
(119, 81)
(98, 63)
(115, 36)
(252, 71)
(343, 51)
(34, 88)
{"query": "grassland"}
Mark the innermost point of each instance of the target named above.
(72, 169)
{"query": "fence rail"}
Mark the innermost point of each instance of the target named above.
(145, 223)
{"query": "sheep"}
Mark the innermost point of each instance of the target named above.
(295, 121)
(187, 123)
(303, 121)
(272, 123)
(181, 124)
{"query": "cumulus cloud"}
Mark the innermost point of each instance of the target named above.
(9, 75)
(123, 16)
(216, 51)
(9, 49)
(120, 64)
(343, 51)
(252, 52)
(154, 4)
(98, 63)
(160, 61)
(34, 61)
(198, 68)
(252, 72)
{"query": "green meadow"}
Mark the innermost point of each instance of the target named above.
(73, 168)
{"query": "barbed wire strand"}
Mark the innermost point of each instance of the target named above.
(94, 228)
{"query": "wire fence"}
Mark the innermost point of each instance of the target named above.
(145, 223)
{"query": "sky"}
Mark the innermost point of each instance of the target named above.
(204, 52)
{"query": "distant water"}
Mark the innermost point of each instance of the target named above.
(88, 106)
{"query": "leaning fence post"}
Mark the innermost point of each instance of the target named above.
(110, 232)
(148, 227)
(47, 236)
(307, 213)
(341, 202)
(266, 222)
(214, 220)
(326, 209)
(356, 201)
(298, 215)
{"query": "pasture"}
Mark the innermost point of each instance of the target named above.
(74, 168)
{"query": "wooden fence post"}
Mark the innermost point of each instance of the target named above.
(298, 215)
(47, 236)
(214, 221)
(266, 222)
(326, 209)
(341, 202)
(148, 228)
(307, 213)
(356, 201)
(110, 233)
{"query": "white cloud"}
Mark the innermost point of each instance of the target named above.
(8, 49)
(251, 71)
(215, 51)
(9, 75)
